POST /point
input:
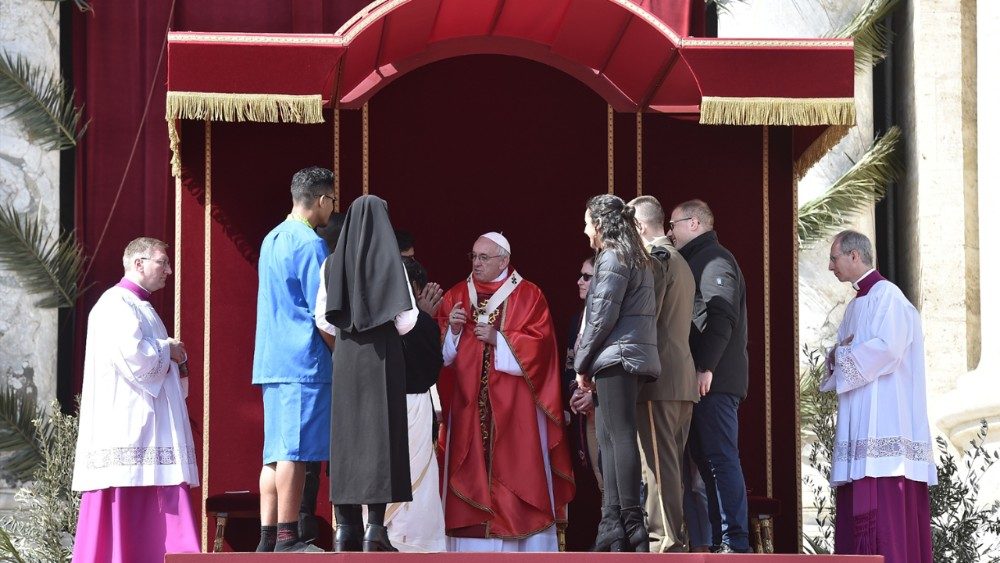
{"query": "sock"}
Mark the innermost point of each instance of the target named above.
(288, 532)
(376, 514)
(268, 535)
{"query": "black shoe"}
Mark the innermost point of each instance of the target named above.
(726, 548)
(296, 545)
(610, 534)
(348, 537)
(308, 527)
(636, 535)
(377, 539)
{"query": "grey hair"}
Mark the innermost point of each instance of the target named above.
(140, 248)
(700, 210)
(852, 240)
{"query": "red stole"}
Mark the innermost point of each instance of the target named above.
(509, 495)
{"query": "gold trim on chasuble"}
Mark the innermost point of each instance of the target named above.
(766, 177)
(206, 430)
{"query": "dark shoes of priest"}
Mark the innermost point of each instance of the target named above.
(377, 539)
(348, 537)
(296, 545)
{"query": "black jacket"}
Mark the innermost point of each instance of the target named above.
(620, 323)
(719, 322)
(422, 351)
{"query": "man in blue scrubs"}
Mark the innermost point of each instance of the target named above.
(291, 360)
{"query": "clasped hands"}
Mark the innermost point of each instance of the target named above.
(179, 355)
(484, 332)
(582, 400)
(831, 356)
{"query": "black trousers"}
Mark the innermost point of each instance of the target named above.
(617, 392)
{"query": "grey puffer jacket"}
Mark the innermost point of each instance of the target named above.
(620, 325)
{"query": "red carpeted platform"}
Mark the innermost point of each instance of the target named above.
(517, 557)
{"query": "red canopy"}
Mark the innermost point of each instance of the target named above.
(617, 48)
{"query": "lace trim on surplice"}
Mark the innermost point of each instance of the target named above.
(892, 446)
(131, 456)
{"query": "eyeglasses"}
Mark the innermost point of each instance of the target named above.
(586, 277)
(833, 257)
(672, 223)
(161, 261)
(481, 257)
(332, 199)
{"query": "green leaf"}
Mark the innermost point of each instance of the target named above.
(44, 264)
(870, 34)
(863, 185)
(38, 99)
(19, 436)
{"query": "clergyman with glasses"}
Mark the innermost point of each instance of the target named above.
(292, 362)
(135, 456)
(508, 474)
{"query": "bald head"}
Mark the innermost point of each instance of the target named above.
(649, 216)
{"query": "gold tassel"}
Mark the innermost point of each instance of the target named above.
(175, 147)
(777, 111)
(818, 149)
(270, 108)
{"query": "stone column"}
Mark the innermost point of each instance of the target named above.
(977, 393)
(29, 181)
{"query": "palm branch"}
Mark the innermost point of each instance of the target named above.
(863, 185)
(38, 99)
(8, 551)
(871, 36)
(19, 433)
(44, 264)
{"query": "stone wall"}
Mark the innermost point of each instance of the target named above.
(29, 181)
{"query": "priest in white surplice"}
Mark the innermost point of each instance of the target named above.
(882, 460)
(135, 457)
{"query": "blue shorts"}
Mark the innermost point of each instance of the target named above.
(296, 422)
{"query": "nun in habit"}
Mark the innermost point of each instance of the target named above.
(370, 303)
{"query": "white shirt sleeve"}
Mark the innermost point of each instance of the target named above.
(505, 360)
(449, 349)
(406, 320)
(320, 313)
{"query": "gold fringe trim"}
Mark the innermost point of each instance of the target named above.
(214, 106)
(818, 149)
(270, 108)
(777, 111)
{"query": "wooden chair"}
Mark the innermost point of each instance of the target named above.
(762, 511)
(224, 506)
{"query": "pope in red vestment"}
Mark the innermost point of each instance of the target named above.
(500, 395)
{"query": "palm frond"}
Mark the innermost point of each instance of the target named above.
(871, 36)
(861, 186)
(19, 434)
(38, 98)
(45, 264)
(8, 552)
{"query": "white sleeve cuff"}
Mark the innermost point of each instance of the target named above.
(449, 349)
(505, 360)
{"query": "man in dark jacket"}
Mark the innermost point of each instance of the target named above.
(665, 405)
(719, 347)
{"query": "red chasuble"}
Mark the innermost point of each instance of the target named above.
(504, 494)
